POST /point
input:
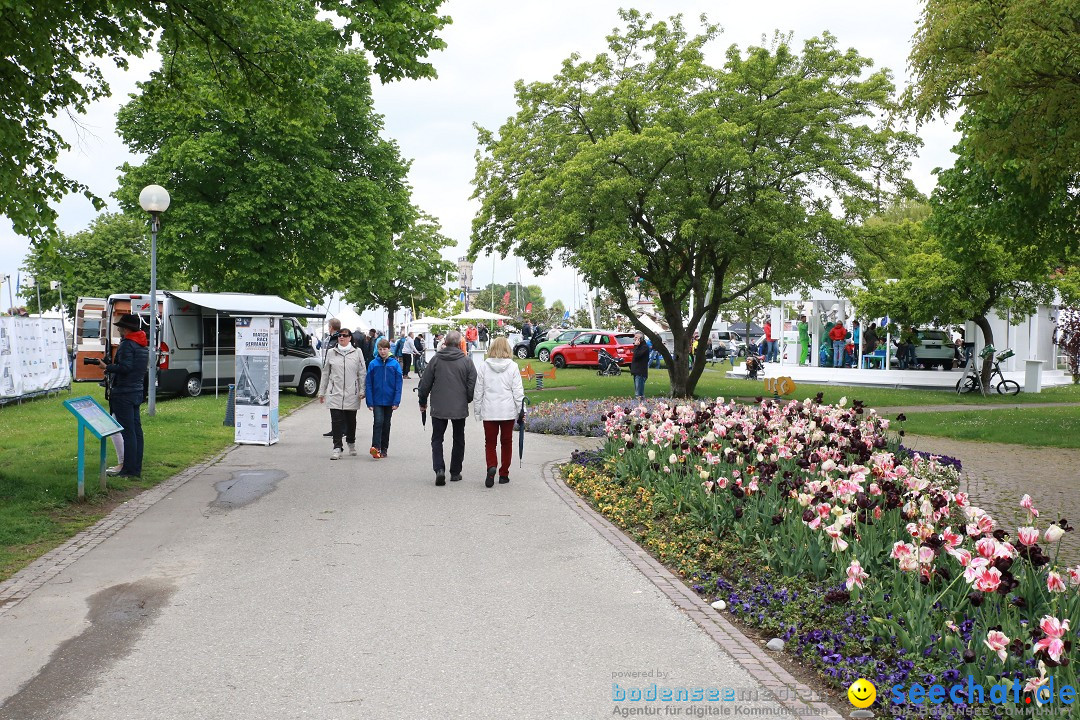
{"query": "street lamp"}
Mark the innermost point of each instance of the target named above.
(154, 199)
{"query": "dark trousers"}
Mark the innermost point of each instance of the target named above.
(501, 432)
(406, 363)
(343, 422)
(126, 409)
(380, 428)
(457, 453)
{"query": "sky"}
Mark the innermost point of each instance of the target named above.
(491, 45)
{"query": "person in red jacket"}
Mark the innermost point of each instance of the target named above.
(838, 334)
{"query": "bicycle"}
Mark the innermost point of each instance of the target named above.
(972, 378)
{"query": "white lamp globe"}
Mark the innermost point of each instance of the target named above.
(154, 199)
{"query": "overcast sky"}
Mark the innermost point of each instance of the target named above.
(491, 44)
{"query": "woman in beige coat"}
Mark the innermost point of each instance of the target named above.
(342, 388)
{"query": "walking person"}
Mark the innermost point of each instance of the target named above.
(772, 352)
(499, 396)
(449, 381)
(472, 335)
(804, 341)
(383, 391)
(330, 341)
(342, 388)
(408, 349)
(639, 365)
(127, 389)
(420, 358)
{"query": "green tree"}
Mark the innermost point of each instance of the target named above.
(1014, 65)
(295, 203)
(979, 251)
(54, 52)
(536, 297)
(410, 274)
(706, 182)
(111, 256)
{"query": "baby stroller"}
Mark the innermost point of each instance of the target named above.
(609, 366)
(754, 365)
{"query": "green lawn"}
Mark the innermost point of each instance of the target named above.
(583, 383)
(38, 470)
(1042, 427)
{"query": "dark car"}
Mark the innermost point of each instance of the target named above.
(527, 348)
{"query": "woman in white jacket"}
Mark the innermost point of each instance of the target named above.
(497, 401)
(342, 388)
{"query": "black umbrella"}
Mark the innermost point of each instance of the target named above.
(521, 429)
(423, 409)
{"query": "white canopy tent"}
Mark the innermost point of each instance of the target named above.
(478, 314)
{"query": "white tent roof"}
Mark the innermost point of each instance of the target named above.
(245, 304)
(478, 314)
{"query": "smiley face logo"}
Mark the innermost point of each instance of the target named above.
(862, 693)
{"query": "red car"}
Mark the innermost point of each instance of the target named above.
(584, 349)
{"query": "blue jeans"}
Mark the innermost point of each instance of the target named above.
(774, 351)
(838, 353)
(125, 406)
(639, 386)
(380, 429)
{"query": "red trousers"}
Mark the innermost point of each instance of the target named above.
(503, 431)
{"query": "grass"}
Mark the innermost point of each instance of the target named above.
(584, 384)
(1057, 427)
(39, 507)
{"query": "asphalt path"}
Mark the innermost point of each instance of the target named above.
(280, 584)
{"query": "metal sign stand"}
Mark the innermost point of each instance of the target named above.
(98, 421)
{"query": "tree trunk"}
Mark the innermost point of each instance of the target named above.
(390, 311)
(988, 339)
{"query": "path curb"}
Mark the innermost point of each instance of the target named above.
(785, 688)
(20, 585)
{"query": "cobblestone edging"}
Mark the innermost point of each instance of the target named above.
(19, 586)
(788, 692)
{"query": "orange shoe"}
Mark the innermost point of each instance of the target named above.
(375, 453)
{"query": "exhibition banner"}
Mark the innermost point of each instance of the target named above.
(257, 342)
(33, 357)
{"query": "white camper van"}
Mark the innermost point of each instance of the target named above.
(197, 338)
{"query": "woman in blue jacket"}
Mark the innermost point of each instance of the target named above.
(383, 396)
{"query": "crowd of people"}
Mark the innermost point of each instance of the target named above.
(365, 370)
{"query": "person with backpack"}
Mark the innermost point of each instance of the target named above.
(498, 401)
(383, 388)
(398, 344)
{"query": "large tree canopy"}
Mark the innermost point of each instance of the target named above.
(1014, 65)
(703, 181)
(980, 251)
(53, 52)
(297, 203)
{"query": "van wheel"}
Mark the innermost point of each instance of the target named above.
(309, 384)
(194, 386)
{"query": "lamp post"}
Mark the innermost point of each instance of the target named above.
(154, 199)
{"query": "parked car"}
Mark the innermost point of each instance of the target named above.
(526, 349)
(543, 350)
(936, 348)
(584, 349)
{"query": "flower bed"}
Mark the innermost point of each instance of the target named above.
(812, 525)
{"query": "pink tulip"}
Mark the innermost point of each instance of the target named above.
(901, 549)
(1074, 575)
(855, 575)
(1054, 582)
(1025, 502)
(987, 579)
(987, 547)
(1027, 536)
(997, 641)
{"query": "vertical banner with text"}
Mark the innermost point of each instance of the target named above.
(257, 380)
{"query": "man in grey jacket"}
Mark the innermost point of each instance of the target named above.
(449, 381)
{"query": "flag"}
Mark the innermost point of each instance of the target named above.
(528, 307)
(566, 315)
(506, 297)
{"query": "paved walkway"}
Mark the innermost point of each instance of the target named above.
(275, 583)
